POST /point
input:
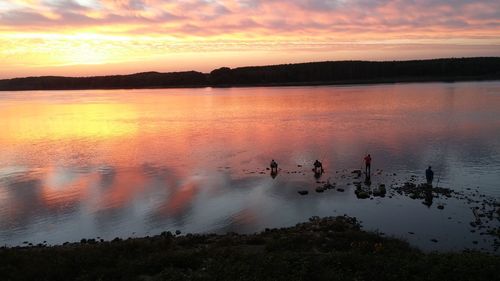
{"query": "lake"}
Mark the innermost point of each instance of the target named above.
(131, 163)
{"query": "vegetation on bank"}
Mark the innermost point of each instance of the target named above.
(315, 73)
(321, 249)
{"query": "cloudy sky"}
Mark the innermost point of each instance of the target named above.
(87, 37)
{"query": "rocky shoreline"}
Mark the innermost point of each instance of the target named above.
(332, 248)
(485, 210)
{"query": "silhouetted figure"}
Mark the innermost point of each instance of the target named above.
(429, 175)
(318, 167)
(274, 167)
(368, 162)
(274, 174)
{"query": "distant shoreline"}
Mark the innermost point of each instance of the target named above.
(361, 82)
(290, 84)
(302, 74)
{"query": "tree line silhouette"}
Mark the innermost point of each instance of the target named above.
(314, 73)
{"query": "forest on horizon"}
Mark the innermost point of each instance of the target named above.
(313, 73)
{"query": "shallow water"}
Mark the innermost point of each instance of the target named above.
(86, 164)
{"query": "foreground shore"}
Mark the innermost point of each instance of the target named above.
(321, 249)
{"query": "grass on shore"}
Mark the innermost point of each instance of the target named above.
(321, 249)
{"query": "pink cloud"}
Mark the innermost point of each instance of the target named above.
(275, 16)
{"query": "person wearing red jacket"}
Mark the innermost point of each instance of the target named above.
(368, 162)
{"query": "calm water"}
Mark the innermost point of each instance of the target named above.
(86, 164)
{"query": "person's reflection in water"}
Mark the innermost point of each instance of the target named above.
(429, 175)
(368, 180)
(428, 195)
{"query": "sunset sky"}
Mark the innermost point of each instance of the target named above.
(90, 37)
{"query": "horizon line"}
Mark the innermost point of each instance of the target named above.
(248, 66)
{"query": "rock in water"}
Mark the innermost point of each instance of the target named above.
(329, 185)
(320, 189)
(362, 194)
(303, 192)
(380, 191)
(357, 173)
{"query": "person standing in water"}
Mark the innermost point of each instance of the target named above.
(274, 166)
(429, 175)
(368, 162)
(318, 167)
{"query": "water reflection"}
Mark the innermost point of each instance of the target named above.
(121, 163)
